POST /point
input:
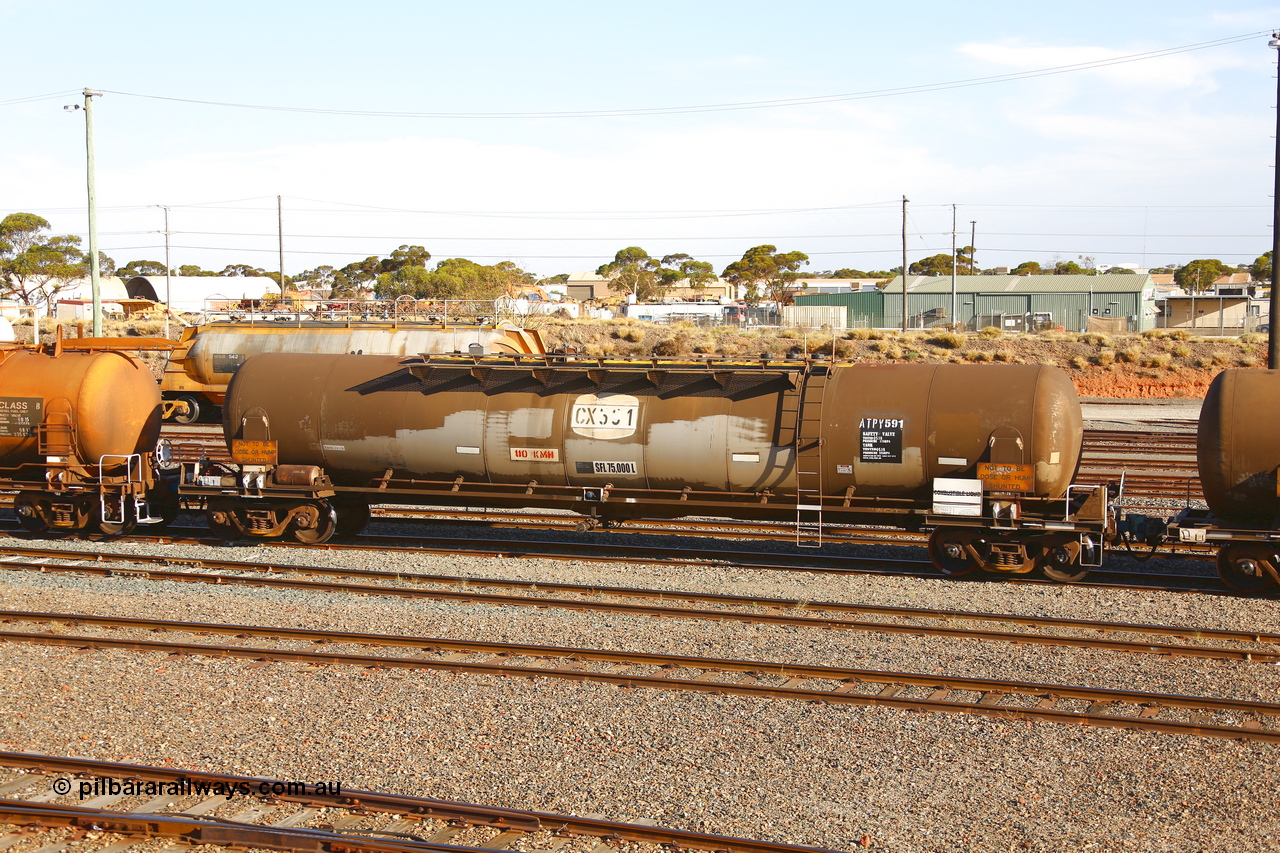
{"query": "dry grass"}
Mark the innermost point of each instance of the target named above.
(1096, 339)
(948, 340)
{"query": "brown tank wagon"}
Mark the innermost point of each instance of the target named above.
(1238, 454)
(984, 454)
(77, 435)
(206, 357)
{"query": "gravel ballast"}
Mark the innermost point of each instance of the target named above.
(824, 775)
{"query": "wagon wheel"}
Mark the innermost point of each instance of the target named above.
(167, 502)
(352, 519)
(225, 529)
(29, 514)
(1062, 564)
(192, 413)
(1243, 566)
(123, 526)
(949, 549)
(323, 527)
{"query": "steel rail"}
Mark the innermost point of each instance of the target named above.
(634, 554)
(773, 618)
(386, 803)
(196, 831)
(991, 691)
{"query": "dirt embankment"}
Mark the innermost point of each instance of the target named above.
(1154, 365)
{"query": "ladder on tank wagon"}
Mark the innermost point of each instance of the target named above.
(808, 456)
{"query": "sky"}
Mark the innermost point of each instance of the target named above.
(553, 134)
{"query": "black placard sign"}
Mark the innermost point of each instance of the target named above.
(19, 416)
(227, 362)
(881, 440)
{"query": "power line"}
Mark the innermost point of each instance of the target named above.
(732, 106)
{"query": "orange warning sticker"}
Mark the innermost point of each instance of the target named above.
(253, 452)
(1003, 477)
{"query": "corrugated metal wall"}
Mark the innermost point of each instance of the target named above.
(1071, 310)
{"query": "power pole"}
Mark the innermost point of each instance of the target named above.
(973, 246)
(280, 231)
(95, 267)
(954, 261)
(904, 263)
(1273, 353)
(168, 291)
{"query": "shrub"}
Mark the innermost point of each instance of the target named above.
(1248, 361)
(1131, 355)
(666, 346)
(947, 340)
(1220, 358)
(1079, 362)
(1158, 360)
(979, 356)
(1182, 350)
(1097, 339)
(1106, 358)
(989, 333)
(1246, 338)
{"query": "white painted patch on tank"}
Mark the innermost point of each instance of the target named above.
(525, 423)
(697, 453)
(1047, 472)
(425, 452)
(605, 416)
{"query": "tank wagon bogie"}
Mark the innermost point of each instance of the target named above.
(78, 432)
(985, 455)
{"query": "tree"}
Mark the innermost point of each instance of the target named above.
(241, 270)
(765, 266)
(1199, 275)
(194, 269)
(320, 278)
(935, 265)
(33, 265)
(133, 268)
(405, 256)
(940, 265)
(1028, 268)
(453, 278)
(1069, 268)
(632, 271)
(357, 277)
(681, 267)
(275, 276)
(1260, 269)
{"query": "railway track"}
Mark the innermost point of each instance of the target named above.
(1213, 717)
(227, 812)
(1244, 645)
(635, 553)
